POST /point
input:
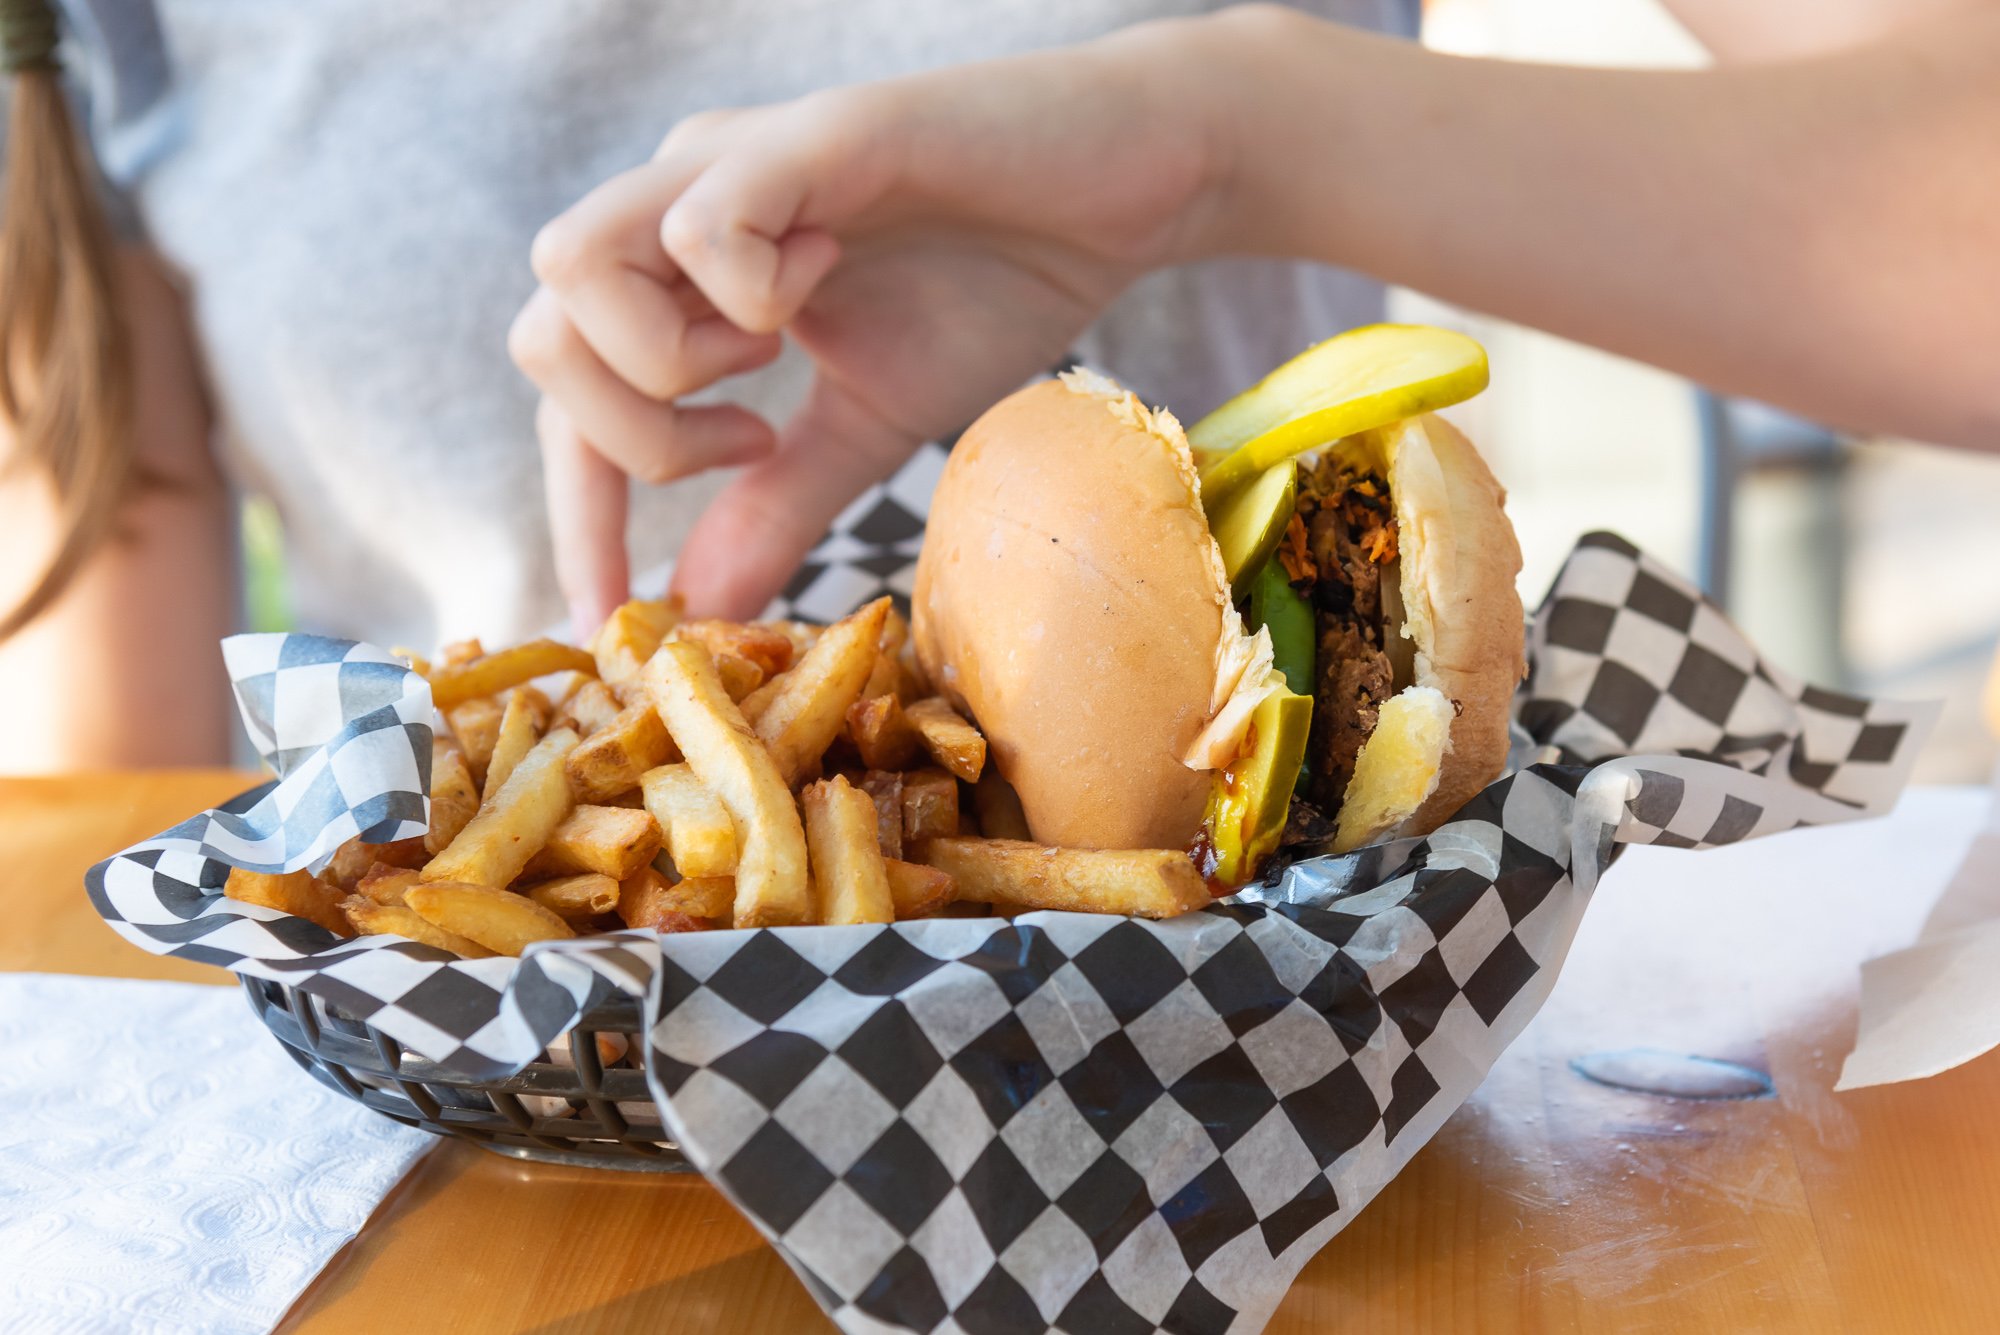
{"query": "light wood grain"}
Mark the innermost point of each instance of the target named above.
(1547, 1204)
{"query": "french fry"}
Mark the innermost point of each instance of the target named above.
(459, 652)
(647, 900)
(570, 897)
(519, 731)
(350, 863)
(806, 713)
(385, 884)
(492, 673)
(881, 732)
(629, 636)
(700, 836)
(353, 859)
(952, 742)
(376, 919)
(886, 677)
(500, 920)
(612, 841)
(918, 892)
(886, 787)
(769, 647)
(930, 805)
(802, 634)
(754, 704)
(1147, 883)
(739, 675)
(496, 844)
(611, 760)
(476, 725)
(711, 898)
(726, 756)
(999, 808)
(293, 892)
(846, 860)
(454, 797)
(590, 708)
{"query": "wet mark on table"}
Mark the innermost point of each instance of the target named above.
(1673, 1075)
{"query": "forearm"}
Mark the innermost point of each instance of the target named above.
(123, 670)
(1815, 233)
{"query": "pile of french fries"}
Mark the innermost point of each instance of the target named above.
(683, 775)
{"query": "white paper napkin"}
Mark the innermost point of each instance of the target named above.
(1935, 1005)
(164, 1166)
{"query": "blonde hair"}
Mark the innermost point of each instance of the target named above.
(65, 353)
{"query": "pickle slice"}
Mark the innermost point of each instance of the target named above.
(1356, 381)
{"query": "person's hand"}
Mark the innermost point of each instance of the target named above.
(931, 242)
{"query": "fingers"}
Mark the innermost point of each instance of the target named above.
(586, 500)
(605, 269)
(752, 537)
(751, 227)
(653, 441)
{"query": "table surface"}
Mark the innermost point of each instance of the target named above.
(1548, 1203)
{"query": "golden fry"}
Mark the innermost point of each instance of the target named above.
(519, 731)
(739, 675)
(918, 892)
(700, 836)
(725, 755)
(611, 760)
(999, 808)
(930, 805)
(886, 787)
(496, 844)
(476, 725)
(500, 920)
(952, 742)
(385, 884)
(846, 860)
(589, 709)
(807, 712)
(629, 636)
(1148, 883)
(492, 673)
(612, 841)
(712, 898)
(459, 652)
(454, 797)
(762, 644)
(647, 900)
(293, 892)
(376, 919)
(753, 705)
(881, 732)
(585, 896)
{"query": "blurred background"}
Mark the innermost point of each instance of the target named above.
(1801, 533)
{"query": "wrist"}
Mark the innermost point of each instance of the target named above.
(1219, 82)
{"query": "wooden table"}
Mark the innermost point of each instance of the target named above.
(1547, 1204)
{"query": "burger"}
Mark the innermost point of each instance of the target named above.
(1293, 627)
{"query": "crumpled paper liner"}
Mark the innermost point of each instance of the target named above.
(1068, 1121)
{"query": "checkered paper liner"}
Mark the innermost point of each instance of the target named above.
(1061, 1121)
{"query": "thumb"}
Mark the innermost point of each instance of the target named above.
(752, 537)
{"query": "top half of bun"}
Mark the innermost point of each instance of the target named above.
(1070, 598)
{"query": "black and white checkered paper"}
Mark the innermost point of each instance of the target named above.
(1063, 1121)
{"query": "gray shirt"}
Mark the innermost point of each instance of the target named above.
(351, 186)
